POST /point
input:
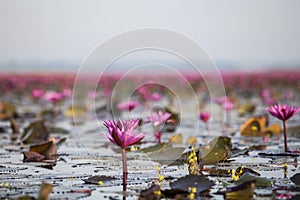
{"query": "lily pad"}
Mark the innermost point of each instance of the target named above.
(75, 111)
(59, 130)
(35, 132)
(7, 111)
(176, 139)
(260, 181)
(166, 156)
(30, 156)
(296, 179)
(154, 148)
(45, 190)
(247, 108)
(242, 191)
(217, 150)
(258, 126)
(48, 149)
(151, 193)
(200, 182)
(98, 179)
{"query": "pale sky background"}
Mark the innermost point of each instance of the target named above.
(237, 34)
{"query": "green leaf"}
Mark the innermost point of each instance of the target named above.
(260, 181)
(217, 150)
(243, 191)
(35, 132)
(154, 148)
(167, 155)
(200, 182)
(296, 179)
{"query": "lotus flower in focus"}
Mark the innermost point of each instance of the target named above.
(283, 113)
(122, 133)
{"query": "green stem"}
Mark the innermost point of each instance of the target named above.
(124, 169)
(285, 138)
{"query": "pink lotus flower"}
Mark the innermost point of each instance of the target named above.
(221, 100)
(227, 105)
(128, 106)
(204, 116)
(53, 96)
(122, 133)
(283, 113)
(37, 93)
(67, 93)
(158, 118)
(155, 96)
(92, 95)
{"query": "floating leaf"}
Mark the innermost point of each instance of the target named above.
(30, 156)
(220, 172)
(152, 193)
(45, 191)
(260, 181)
(257, 126)
(296, 179)
(58, 130)
(7, 111)
(200, 182)
(14, 126)
(176, 138)
(75, 111)
(246, 108)
(35, 132)
(293, 130)
(243, 191)
(156, 147)
(47, 114)
(48, 149)
(97, 179)
(166, 156)
(191, 140)
(217, 150)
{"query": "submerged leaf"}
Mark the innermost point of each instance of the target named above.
(35, 132)
(200, 182)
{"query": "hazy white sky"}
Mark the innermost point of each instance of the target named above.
(243, 33)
